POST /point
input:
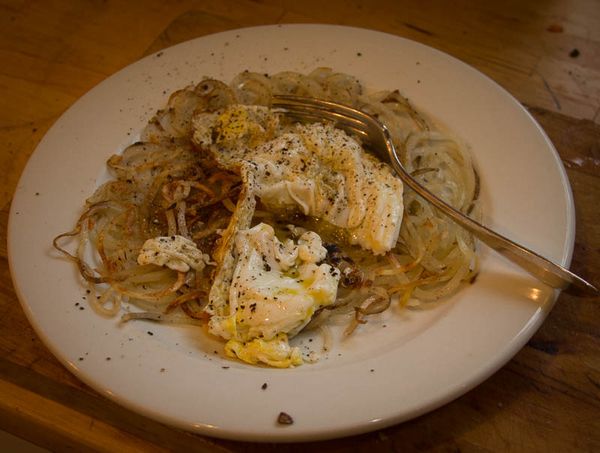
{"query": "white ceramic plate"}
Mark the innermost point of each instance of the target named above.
(381, 375)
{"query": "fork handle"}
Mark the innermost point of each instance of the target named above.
(548, 272)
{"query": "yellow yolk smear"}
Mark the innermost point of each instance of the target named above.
(276, 352)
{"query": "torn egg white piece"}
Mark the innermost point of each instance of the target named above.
(176, 252)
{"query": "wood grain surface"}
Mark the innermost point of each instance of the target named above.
(546, 53)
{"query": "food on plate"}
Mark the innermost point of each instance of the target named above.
(228, 214)
(315, 169)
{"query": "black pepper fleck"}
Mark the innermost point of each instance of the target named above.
(284, 419)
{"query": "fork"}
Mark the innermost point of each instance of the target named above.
(377, 135)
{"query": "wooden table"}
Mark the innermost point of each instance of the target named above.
(547, 54)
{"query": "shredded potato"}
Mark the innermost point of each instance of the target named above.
(163, 186)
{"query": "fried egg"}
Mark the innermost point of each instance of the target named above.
(275, 290)
(314, 168)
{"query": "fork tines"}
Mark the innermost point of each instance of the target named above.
(318, 110)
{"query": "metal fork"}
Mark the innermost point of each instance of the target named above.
(376, 134)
